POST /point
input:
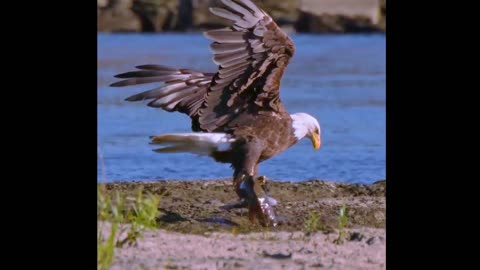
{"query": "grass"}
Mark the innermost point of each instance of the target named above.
(312, 224)
(105, 248)
(267, 236)
(127, 217)
(342, 224)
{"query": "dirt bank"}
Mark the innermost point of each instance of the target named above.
(195, 206)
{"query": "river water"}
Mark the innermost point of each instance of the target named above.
(339, 79)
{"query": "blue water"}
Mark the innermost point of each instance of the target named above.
(339, 79)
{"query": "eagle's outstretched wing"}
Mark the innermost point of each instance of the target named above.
(183, 89)
(252, 56)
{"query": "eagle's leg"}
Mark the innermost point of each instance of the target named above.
(250, 189)
(240, 179)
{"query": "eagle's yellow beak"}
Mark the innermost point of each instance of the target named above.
(316, 140)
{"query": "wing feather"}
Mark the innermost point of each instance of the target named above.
(251, 56)
(183, 90)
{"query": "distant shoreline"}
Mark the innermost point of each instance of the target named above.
(294, 16)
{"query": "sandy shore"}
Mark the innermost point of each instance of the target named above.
(277, 250)
(196, 233)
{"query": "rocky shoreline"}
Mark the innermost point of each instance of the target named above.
(305, 16)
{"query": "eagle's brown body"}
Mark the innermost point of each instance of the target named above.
(241, 99)
(259, 137)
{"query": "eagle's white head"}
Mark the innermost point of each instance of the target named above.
(306, 125)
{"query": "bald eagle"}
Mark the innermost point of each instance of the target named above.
(236, 113)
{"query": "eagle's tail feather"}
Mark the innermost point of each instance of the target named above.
(196, 143)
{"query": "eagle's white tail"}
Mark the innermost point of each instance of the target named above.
(196, 143)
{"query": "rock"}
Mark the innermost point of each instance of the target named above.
(285, 13)
(185, 15)
(102, 3)
(334, 24)
(277, 255)
(371, 241)
(349, 8)
(356, 236)
(157, 15)
(383, 15)
(339, 16)
(203, 19)
(117, 16)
